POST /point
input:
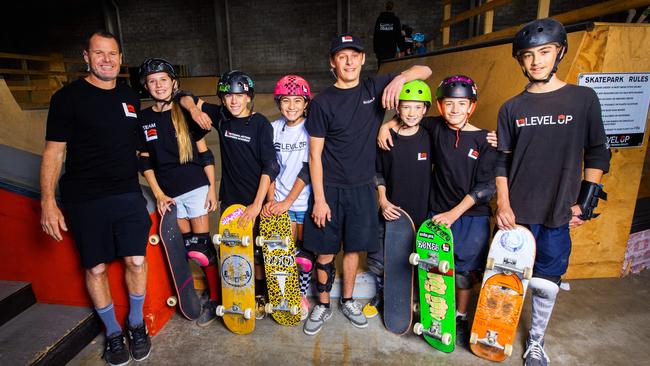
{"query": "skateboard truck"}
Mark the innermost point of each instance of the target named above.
(491, 341)
(283, 306)
(275, 241)
(430, 263)
(229, 240)
(235, 309)
(509, 266)
(435, 331)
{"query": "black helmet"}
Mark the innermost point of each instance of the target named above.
(235, 82)
(540, 32)
(154, 65)
(457, 86)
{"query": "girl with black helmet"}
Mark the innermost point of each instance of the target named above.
(462, 184)
(547, 133)
(179, 168)
(248, 160)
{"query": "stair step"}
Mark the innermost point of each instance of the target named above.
(47, 334)
(15, 297)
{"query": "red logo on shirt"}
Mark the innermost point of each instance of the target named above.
(422, 156)
(521, 122)
(151, 134)
(129, 110)
(473, 154)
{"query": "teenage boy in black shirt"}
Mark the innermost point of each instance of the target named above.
(546, 134)
(343, 123)
(94, 122)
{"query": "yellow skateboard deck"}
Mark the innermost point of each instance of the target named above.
(237, 271)
(279, 252)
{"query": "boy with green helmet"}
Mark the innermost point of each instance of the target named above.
(462, 182)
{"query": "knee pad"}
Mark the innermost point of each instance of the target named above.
(465, 280)
(543, 287)
(305, 261)
(201, 251)
(375, 266)
(330, 269)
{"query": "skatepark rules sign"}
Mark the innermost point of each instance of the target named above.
(624, 99)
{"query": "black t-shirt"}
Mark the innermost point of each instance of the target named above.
(406, 169)
(158, 138)
(246, 151)
(387, 36)
(457, 170)
(99, 128)
(550, 135)
(349, 120)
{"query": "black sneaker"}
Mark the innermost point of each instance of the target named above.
(208, 313)
(139, 342)
(462, 332)
(115, 352)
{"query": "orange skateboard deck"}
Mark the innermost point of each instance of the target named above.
(237, 271)
(508, 269)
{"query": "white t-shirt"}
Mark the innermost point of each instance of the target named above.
(291, 145)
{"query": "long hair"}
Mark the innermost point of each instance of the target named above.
(182, 134)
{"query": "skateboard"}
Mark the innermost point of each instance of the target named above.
(170, 235)
(434, 258)
(278, 248)
(399, 237)
(508, 269)
(237, 271)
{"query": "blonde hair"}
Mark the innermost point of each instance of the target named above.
(182, 134)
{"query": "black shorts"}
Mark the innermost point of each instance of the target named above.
(354, 221)
(109, 227)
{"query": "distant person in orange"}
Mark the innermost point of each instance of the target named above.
(93, 122)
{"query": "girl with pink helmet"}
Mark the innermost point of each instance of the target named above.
(291, 189)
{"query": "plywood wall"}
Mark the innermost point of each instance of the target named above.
(598, 246)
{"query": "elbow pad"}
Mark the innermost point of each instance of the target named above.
(502, 165)
(206, 158)
(144, 164)
(588, 199)
(303, 175)
(272, 169)
(483, 192)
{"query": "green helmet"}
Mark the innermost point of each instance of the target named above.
(417, 91)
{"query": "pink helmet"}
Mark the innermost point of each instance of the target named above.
(292, 85)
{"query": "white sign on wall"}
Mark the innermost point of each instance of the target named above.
(624, 100)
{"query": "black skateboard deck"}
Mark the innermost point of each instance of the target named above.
(399, 239)
(186, 298)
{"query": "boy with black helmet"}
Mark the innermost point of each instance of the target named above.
(462, 184)
(546, 134)
(248, 160)
(179, 167)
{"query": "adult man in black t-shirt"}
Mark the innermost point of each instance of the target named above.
(387, 36)
(343, 122)
(94, 122)
(546, 134)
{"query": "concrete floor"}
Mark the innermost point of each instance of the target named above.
(597, 322)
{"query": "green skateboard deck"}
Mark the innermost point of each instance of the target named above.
(434, 258)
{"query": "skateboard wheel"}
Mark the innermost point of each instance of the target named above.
(259, 241)
(248, 313)
(268, 308)
(528, 273)
(245, 240)
(219, 311)
(286, 241)
(416, 307)
(154, 239)
(473, 338)
(446, 339)
(414, 259)
(443, 266)
(418, 328)
(171, 301)
(216, 239)
(490, 263)
(294, 310)
(507, 350)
